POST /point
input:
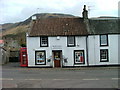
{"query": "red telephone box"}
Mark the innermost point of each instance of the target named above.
(23, 57)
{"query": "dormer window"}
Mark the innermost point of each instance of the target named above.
(70, 41)
(44, 41)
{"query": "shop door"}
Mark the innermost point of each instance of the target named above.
(57, 58)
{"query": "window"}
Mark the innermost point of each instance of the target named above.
(40, 58)
(103, 40)
(70, 41)
(104, 55)
(44, 41)
(79, 57)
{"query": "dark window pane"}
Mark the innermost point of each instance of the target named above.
(40, 57)
(79, 57)
(70, 40)
(103, 39)
(44, 41)
(104, 55)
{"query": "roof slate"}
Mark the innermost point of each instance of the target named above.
(107, 26)
(58, 26)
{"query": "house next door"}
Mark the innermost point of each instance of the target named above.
(57, 58)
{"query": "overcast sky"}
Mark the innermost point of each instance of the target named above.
(13, 11)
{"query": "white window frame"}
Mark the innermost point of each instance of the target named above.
(40, 57)
(106, 55)
(41, 41)
(70, 44)
(103, 40)
(79, 57)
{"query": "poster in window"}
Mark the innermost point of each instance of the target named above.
(104, 55)
(40, 57)
(79, 57)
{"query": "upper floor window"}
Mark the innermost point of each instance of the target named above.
(103, 40)
(70, 41)
(44, 41)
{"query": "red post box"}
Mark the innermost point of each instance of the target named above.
(23, 57)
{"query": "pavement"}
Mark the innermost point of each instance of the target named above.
(16, 65)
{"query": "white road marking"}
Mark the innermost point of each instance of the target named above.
(91, 79)
(115, 78)
(60, 79)
(32, 79)
(6, 78)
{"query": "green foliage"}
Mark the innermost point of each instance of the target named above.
(23, 45)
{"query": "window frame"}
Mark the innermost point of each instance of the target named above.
(41, 41)
(83, 57)
(107, 59)
(36, 57)
(106, 39)
(68, 43)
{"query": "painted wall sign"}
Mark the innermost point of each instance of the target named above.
(56, 47)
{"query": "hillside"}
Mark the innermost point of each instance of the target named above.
(12, 28)
(16, 31)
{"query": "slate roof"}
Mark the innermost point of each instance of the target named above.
(104, 26)
(58, 26)
(74, 26)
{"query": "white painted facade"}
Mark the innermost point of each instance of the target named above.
(33, 44)
(93, 45)
(94, 50)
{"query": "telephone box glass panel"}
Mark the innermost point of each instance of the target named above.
(24, 57)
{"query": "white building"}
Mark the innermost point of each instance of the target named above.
(103, 42)
(72, 42)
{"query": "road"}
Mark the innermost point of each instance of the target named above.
(14, 76)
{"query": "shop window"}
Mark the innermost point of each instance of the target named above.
(70, 41)
(44, 41)
(103, 40)
(79, 57)
(104, 55)
(40, 58)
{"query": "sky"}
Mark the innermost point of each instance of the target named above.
(12, 11)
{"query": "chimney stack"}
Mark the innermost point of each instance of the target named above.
(85, 13)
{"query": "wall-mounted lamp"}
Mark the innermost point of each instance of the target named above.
(58, 37)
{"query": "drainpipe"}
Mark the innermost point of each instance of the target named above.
(87, 50)
(86, 21)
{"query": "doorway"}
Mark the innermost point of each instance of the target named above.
(57, 58)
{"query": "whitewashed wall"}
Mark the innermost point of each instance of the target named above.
(33, 44)
(94, 50)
